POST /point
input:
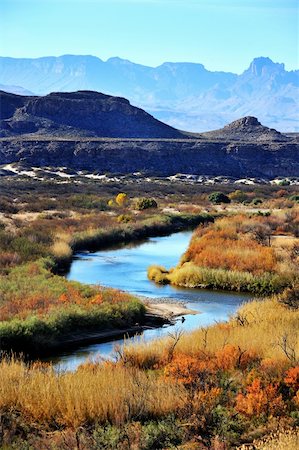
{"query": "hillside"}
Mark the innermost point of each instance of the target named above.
(184, 95)
(81, 114)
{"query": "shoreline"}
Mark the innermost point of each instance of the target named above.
(160, 312)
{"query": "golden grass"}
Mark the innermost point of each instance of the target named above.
(93, 393)
(61, 250)
(264, 326)
(281, 440)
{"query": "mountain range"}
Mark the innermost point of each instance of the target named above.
(184, 95)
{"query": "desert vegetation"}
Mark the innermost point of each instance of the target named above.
(231, 385)
(217, 387)
(239, 252)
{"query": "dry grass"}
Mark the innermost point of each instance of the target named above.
(281, 440)
(266, 327)
(61, 250)
(93, 393)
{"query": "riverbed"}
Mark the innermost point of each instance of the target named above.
(125, 268)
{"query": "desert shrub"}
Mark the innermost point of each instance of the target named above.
(260, 400)
(256, 201)
(238, 196)
(284, 183)
(161, 434)
(6, 206)
(295, 198)
(219, 197)
(85, 201)
(145, 203)
(158, 274)
(124, 218)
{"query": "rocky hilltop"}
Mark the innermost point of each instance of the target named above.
(103, 134)
(246, 129)
(81, 114)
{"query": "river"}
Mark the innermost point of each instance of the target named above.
(125, 268)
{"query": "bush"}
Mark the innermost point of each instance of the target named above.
(219, 197)
(145, 203)
(257, 201)
(295, 198)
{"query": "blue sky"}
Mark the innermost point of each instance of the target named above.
(221, 34)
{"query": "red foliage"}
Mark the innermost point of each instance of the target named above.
(189, 370)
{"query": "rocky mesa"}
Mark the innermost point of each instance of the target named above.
(92, 131)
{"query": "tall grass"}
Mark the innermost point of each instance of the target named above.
(234, 254)
(92, 394)
(192, 276)
(266, 327)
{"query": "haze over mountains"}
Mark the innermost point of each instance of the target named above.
(184, 95)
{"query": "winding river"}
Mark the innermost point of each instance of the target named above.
(125, 268)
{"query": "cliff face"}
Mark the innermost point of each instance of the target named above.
(75, 130)
(158, 157)
(82, 113)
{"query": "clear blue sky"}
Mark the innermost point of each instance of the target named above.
(221, 34)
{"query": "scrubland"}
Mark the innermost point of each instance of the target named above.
(231, 385)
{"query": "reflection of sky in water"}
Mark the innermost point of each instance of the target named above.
(126, 268)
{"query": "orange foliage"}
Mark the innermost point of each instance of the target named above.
(189, 370)
(42, 303)
(230, 250)
(260, 400)
(230, 357)
(292, 378)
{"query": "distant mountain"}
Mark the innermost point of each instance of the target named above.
(15, 89)
(81, 114)
(184, 95)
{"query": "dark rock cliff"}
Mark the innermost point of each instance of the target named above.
(91, 131)
(158, 157)
(82, 113)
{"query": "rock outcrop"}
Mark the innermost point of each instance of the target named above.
(246, 129)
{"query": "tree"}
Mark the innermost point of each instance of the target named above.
(121, 199)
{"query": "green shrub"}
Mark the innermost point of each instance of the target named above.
(145, 203)
(295, 198)
(219, 197)
(257, 201)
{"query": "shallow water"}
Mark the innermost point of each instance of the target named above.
(125, 268)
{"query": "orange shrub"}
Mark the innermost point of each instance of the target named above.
(219, 249)
(231, 357)
(292, 378)
(233, 244)
(189, 370)
(260, 400)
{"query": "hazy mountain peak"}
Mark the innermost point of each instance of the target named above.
(184, 95)
(263, 65)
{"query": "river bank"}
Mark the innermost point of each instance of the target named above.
(98, 239)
